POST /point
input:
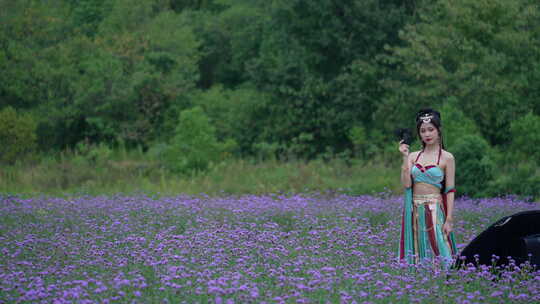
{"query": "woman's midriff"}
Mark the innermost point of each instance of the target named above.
(423, 188)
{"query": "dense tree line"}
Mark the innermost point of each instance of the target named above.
(282, 77)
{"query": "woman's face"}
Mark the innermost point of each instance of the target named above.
(429, 133)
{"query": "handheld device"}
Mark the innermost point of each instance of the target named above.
(405, 135)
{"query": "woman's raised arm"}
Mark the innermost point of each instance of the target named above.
(405, 166)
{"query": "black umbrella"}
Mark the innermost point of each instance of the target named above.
(515, 236)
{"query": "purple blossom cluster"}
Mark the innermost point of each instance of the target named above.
(313, 248)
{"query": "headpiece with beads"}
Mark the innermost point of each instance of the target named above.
(427, 116)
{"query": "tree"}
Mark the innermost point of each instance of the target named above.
(315, 62)
(474, 165)
(455, 124)
(29, 30)
(159, 57)
(194, 146)
(230, 39)
(526, 138)
(88, 14)
(483, 54)
(17, 135)
(237, 114)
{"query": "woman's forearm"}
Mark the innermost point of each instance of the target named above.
(450, 206)
(406, 173)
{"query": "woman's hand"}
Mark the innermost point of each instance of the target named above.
(447, 227)
(404, 149)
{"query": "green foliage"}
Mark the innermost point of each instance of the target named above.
(134, 172)
(195, 146)
(265, 151)
(128, 16)
(237, 114)
(180, 5)
(88, 14)
(17, 135)
(358, 137)
(98, 154)
(526, 137)
(485, 54)
(357, 88)
(28, 31)
(310, 54)
(282, 79)
(100, 70)
(157, 53)
(455, 124)
(521, 178)
(231, 40)
(474, 165)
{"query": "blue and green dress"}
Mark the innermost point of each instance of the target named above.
(422, 236)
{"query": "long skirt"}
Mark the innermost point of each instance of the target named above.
(422, 236)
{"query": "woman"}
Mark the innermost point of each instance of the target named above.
(428, 178)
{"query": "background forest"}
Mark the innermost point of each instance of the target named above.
(259, 96)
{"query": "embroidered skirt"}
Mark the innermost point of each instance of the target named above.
(422, 236)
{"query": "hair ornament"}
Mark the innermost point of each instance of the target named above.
(426, 118)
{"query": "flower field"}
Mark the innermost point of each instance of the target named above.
(314, 248)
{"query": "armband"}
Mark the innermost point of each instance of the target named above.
(450, 189)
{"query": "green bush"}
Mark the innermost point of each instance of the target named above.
(455, 123)
(195, 146)
(522, 179)
(526, 138)
(17, 135)
(474, 165)
(235, 114)
(94, 154)
(358, 137)
(379, 148)
(267, 151)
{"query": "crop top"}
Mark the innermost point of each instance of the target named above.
(431, 174)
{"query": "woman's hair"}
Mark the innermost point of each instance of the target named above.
(429, 116)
